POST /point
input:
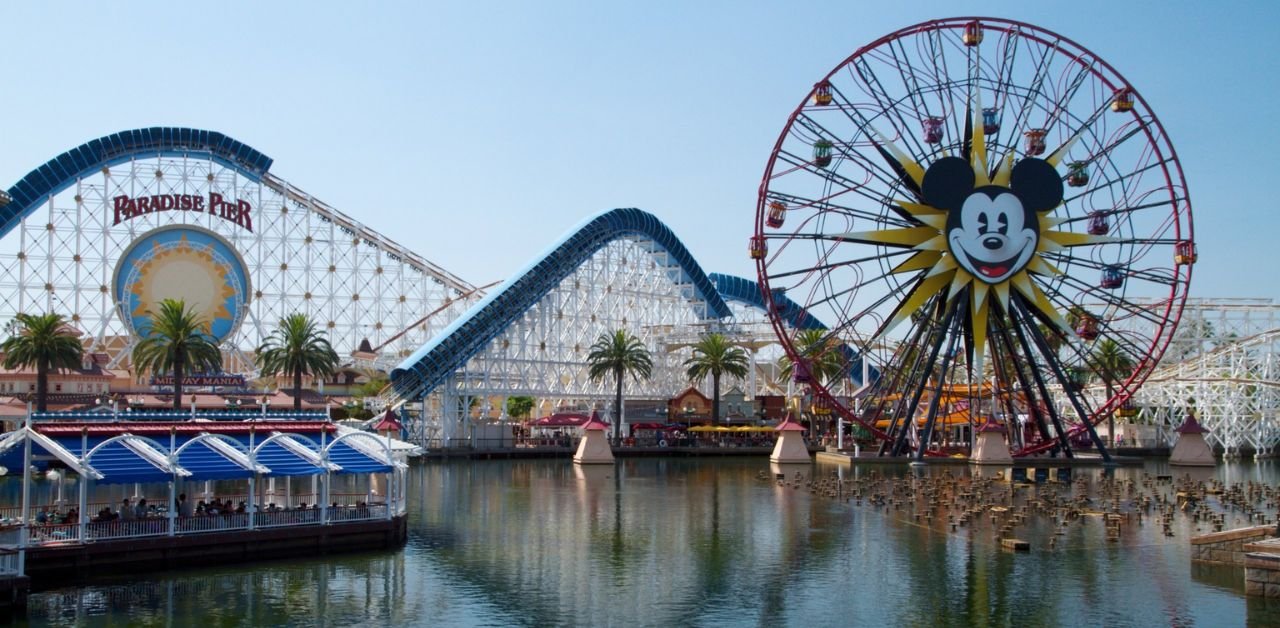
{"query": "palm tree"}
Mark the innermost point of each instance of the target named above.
(42, 341)
(714, 356)
(297, 348)
(1111, 363)
(175, 339)
(618, 353)
(821, 354)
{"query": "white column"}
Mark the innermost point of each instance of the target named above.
(25, 533)
(252, 508)
(173, 506)
(324, 499)
(84, 488)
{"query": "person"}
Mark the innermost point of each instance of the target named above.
(126, 511)
(184, 506)
(42, 517)
(140, 510)
(240, 509)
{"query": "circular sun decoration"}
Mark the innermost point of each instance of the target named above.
(982, 208)
(188, 263)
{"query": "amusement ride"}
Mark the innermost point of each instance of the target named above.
(976, 205)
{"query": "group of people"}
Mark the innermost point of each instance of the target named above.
(131, 511)
(48, 517)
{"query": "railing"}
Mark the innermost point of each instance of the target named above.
(125, 529)
(365, 512)
(8, 562)
(351, 507)
(55, 533)
(282, 518)
(211, 523)
(714, 441)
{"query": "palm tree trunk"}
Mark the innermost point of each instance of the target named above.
(42, 385)
(617, 409)
(715, 399)
(177, 379)
(1111, 416)
(297, 389)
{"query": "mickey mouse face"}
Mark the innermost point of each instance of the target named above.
(992, 236)
(992, 231)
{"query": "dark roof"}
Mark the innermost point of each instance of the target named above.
(1191, 426)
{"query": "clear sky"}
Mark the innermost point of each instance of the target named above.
(476, 133)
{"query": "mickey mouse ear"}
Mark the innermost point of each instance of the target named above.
(1037, 184)
(947, 183)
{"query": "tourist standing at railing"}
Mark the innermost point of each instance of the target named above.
(43, 516)
(140, 510)
(184, 506)
(126, 511)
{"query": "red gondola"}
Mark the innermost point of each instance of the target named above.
(1184, 253)
(1112, 277)
(972, 33)
(777, 214)
(822, 153)
(758, 248)
(1035, 141)
(1077, 174)
(822, 94)
(1098, 223)
(1122, 100)
(1087, 328)
(990, 120)
(933, 129)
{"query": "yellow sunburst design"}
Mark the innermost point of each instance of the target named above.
(181, 270)
(933, 261)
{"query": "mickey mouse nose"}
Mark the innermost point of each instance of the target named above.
(991, 242)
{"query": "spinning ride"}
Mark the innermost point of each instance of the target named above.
(983, 208)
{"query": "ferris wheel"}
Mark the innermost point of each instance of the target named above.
(991, 214)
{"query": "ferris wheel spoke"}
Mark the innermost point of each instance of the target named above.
(938, 53)
(1030, 96)
(824, 205)
(1062, 103)
(909, 81)
(889, 106)
(873, 167)
(838, 294)
(847, 184)
(835, 265)
(1004, 83)
(1136, 131)
(1120, 211)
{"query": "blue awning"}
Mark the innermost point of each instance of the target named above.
(281, 460)
(131, 458)
(206, 464)
(353, 460)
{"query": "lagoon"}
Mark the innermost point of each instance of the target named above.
(693, 542)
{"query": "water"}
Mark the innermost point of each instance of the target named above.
(682, 542)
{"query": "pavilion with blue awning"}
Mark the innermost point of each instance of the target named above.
(198, 451)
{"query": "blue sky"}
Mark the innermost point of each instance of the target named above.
(477, 133)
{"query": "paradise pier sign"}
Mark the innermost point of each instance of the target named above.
(235, 211)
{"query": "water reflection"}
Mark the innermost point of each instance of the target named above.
(691, 542)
